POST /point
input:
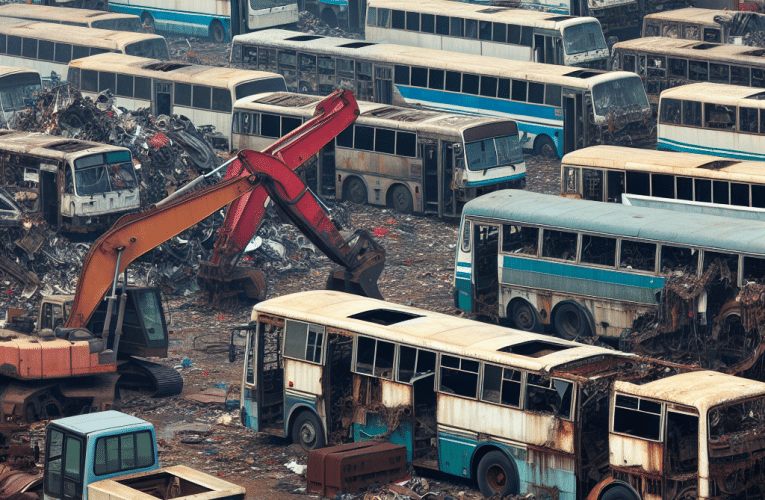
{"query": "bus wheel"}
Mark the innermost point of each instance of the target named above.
(355, 191)
(401, 199)
(570, 322)
(620, 493)
(305, 88)
(307, 431)
(545, 147)
(217, 32)
(524, 316)
(497, 475)
(148, 23)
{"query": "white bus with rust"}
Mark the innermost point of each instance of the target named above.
(48, 47)
(17, 86)
(664, 63)
(205, 94)
(557, 108)
(711, 118)
(655, 282)
(517, 412)
(604, 173)
(77, 186)
(708, 25)
(72, 17)
(410, 160)
(504, 32)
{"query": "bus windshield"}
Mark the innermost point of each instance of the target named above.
(736, 420)
(493, 152)
(155, 48)
(129, 24)
(101, 173)
(583, 37)
(623, 94)
(14, 88)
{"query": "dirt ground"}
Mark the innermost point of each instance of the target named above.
(209, 436)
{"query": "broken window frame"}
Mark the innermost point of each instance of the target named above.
(638, 244)
(548, 256)
(540, 385)
(305, 350)
(376, 369)
(641, 406)
(510, 228)
(509, 377)
(462, 369)
(417, 374)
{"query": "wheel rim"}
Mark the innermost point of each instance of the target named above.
(496, 478)
(401, 200)
(356, 192)
(308, 435)
(218, 34)
(524, 317)
(548, 151)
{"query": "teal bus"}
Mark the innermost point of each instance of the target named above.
(657, 282)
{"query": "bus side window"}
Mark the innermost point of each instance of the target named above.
(527, 36)
(14, 45)
(629, 63)
(739, 76)
(142, 88)
(703, 190)
(458, 376)
(549, 396)
(372, 16)
(747, 119)
(385, 141)
(124, 85)
(89, 80)
(250, 55)
(414, 363)
(107, 81)
(536, 93)
(469, 84)
(346, 68)
(637, 417)
(345, 138)
(289, 124)
(364, 138)
(45, 50)
(513, 34)
(720, 192)
(413, 21)
(489, 86)
(614, 186)
(671, 111)
(78, 51)
(406, 144)
(519, 90)
(436, 79)
(719, 117)
(501, 385)
(500, 32)
(699, 71)
(419, 77)
(270, 125)
(2, 44)
(681, 259)
(520, 240)
(559, 245)
(690, 32)
(652, 28)
(453, 81)
(754, 270)
(303, 341)
(383, 16)
(398, 20)
(571, 181)
(638, 183)
(442, 25)
(684, 188)
(182, 94)
(307, 62)
(638, 255)
(678, 68)
(471, 28)
(692, 113)
(456, 26)
(428, 23)
(598, 250)
(552, 95)
(326, 66)
(592, 184)
(484, 30)
(374, 357)
(466, 236)
(663, 186)
(728, 260)
(719, 73)
(29, 48)
(267, 59)
(712, 35)
(670, 30)
(221, 100)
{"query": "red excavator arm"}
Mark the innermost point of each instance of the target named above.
(134, 235)
(220, 276)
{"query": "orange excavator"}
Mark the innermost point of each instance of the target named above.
(79, 365)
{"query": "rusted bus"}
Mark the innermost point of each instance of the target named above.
(409, 159)
(72, 16)
(77, 186)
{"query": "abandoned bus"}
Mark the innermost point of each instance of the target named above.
(219, 20)
(48, 48)
(17, 86)
(708, 25)
(666, 62)
(77, 186)
(519, 34)
(622, 273)
(410, 160)
(604, 173)
(549, 102)
(710, 118)
(205, 94)
(517, 412)
(72, 17)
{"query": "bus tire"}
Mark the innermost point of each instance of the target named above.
(524, 316)
(305, 88)
(307, 431)
(401, 199)
(545, 147)
(217, 32)
(571, 322)
(496, 474)
(148, 23)
(329, 17)
(355, 191)
(620, 492)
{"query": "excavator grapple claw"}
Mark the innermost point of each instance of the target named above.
(361, 277)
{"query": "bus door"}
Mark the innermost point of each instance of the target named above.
(573, 120)
(162, 98)
(49, 196)
(486, 266)
(430, 177)
(263, 398)
(383, 92)
(448, 160)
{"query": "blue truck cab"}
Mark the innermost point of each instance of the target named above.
(87, 448)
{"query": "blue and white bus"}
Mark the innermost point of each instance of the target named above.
(713, 119)
(557, 108)
(657, 282)
(220, 20)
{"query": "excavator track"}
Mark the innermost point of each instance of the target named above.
(152, 379)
